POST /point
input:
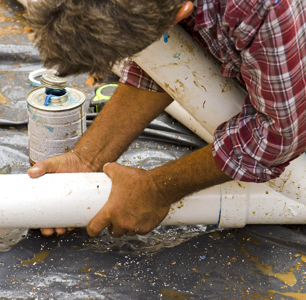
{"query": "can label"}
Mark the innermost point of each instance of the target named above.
(54, 129)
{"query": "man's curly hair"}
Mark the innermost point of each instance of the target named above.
(79, 36)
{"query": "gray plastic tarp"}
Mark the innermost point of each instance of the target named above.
(181, 262)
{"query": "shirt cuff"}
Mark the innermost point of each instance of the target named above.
(237, 160)
(133, 75)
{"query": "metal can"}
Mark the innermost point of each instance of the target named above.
(56, 118)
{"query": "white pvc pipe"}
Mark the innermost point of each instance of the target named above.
(23, 2)
(72, 200)
(54, 200)
(279, 201)
(180, 114)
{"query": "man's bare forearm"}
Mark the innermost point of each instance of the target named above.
(186, 175)
(121, 121)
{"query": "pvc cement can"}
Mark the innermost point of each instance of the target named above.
(56, 121)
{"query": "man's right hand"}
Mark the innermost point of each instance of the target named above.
(69, 162)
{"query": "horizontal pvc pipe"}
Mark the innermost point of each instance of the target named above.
(279, 201)
(52, 200)
(72, 200)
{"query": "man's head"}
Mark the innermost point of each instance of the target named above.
(80, 36)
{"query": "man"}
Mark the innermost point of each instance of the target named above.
(262, 42)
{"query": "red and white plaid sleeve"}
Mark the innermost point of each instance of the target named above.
(133, 75)
(264, 41)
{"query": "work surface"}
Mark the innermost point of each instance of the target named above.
(256, 262)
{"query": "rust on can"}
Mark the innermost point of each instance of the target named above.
(56, 118)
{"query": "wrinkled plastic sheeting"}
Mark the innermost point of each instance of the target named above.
(172, 262)
(256, 262)
(10, 237)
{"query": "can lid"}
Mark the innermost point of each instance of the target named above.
(54, 82)
(76, 98)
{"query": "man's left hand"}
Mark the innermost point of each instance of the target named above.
(134, 205)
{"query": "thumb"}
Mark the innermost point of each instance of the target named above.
(47, 166)
(110, 169)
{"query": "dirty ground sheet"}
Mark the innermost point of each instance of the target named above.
(185, 262)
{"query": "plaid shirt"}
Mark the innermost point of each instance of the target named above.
(263, 43)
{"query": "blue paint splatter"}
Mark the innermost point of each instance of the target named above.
(203, 257)
(177, 56)
(166, 36)
(49, 128)
(37, 118)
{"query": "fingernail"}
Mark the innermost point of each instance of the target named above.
(35, 170)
